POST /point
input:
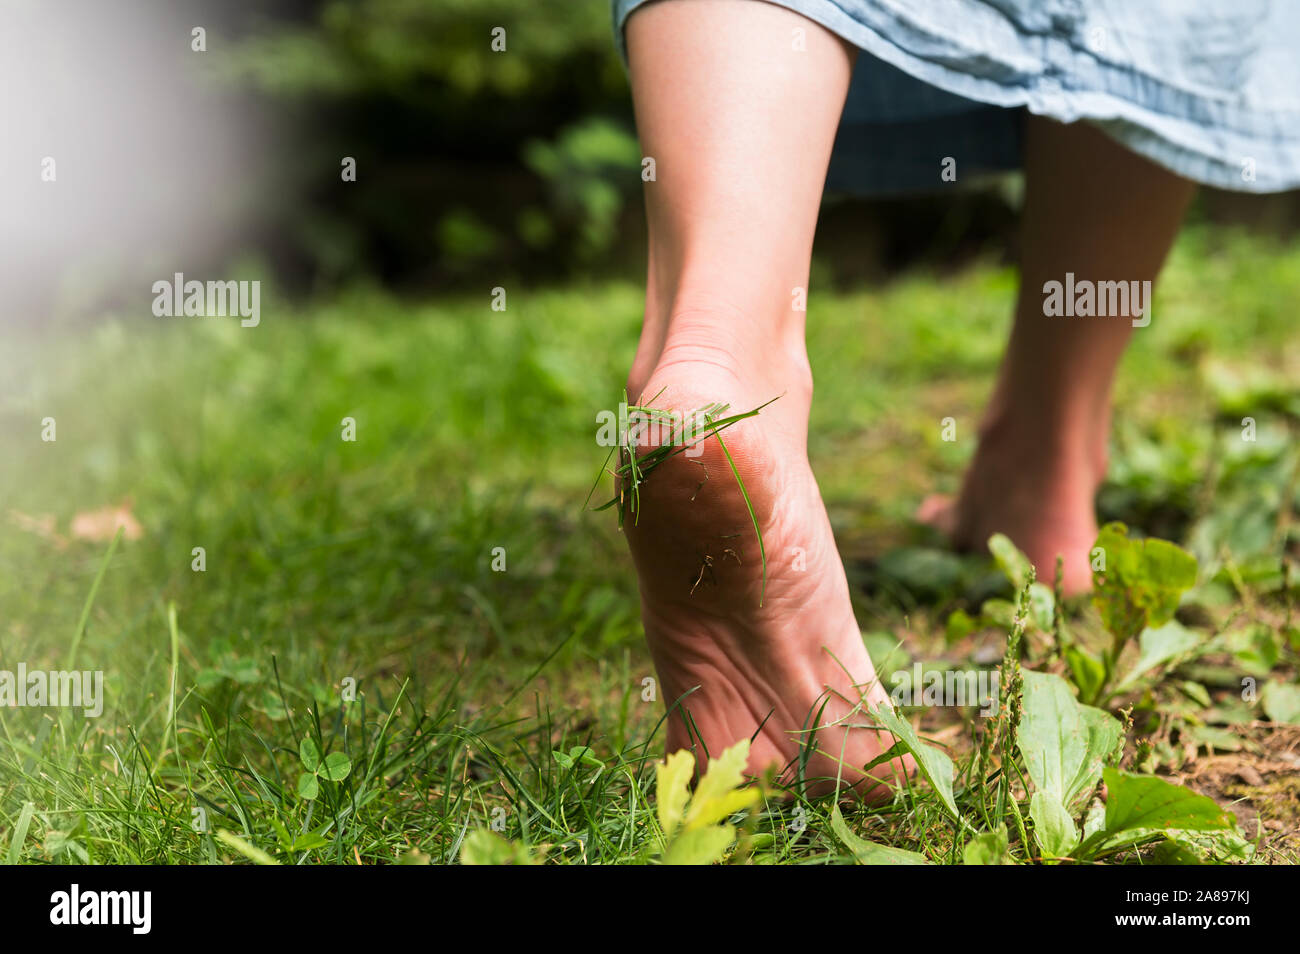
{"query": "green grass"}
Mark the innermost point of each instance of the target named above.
(373, 560)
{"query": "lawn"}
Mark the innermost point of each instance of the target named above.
(358, 614)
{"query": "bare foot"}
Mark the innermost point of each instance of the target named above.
(772, 672)
(1043, 501)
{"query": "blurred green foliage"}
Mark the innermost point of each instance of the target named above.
(586, 170)
(478, 163)
(395, 47)
(491, 136)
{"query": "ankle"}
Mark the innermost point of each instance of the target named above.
(760, 349)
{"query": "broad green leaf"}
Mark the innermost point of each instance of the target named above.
(309, 754)
(868, 852)
(1142, 809)
(672, 789)
(1158, 647)
(484, 847)
(1139, 806)
(1171, 852)
(336, 767)
(989, 848)
(933, 763)
(1222, 847)
(1141, 583)
(1054, 829)
(1281, 701)
(1105, 737)
(1064, 744)
(308, 787)
(719, 793)
(700, 846)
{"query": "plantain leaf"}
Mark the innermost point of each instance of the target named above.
(1064, 744)
(868, 852)
(933, 763)
(1135, 802)
(1141, 808)
(1054, 829)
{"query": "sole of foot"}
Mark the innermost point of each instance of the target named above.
(774, 656)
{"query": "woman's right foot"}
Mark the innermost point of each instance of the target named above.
(735, 668)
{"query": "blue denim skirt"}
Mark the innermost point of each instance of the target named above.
(1209, 89)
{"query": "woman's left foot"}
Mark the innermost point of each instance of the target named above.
(1043, 501)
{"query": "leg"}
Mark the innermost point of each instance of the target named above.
(1106, 214)
(740, 125)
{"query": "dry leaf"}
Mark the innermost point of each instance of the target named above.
(101, 525)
